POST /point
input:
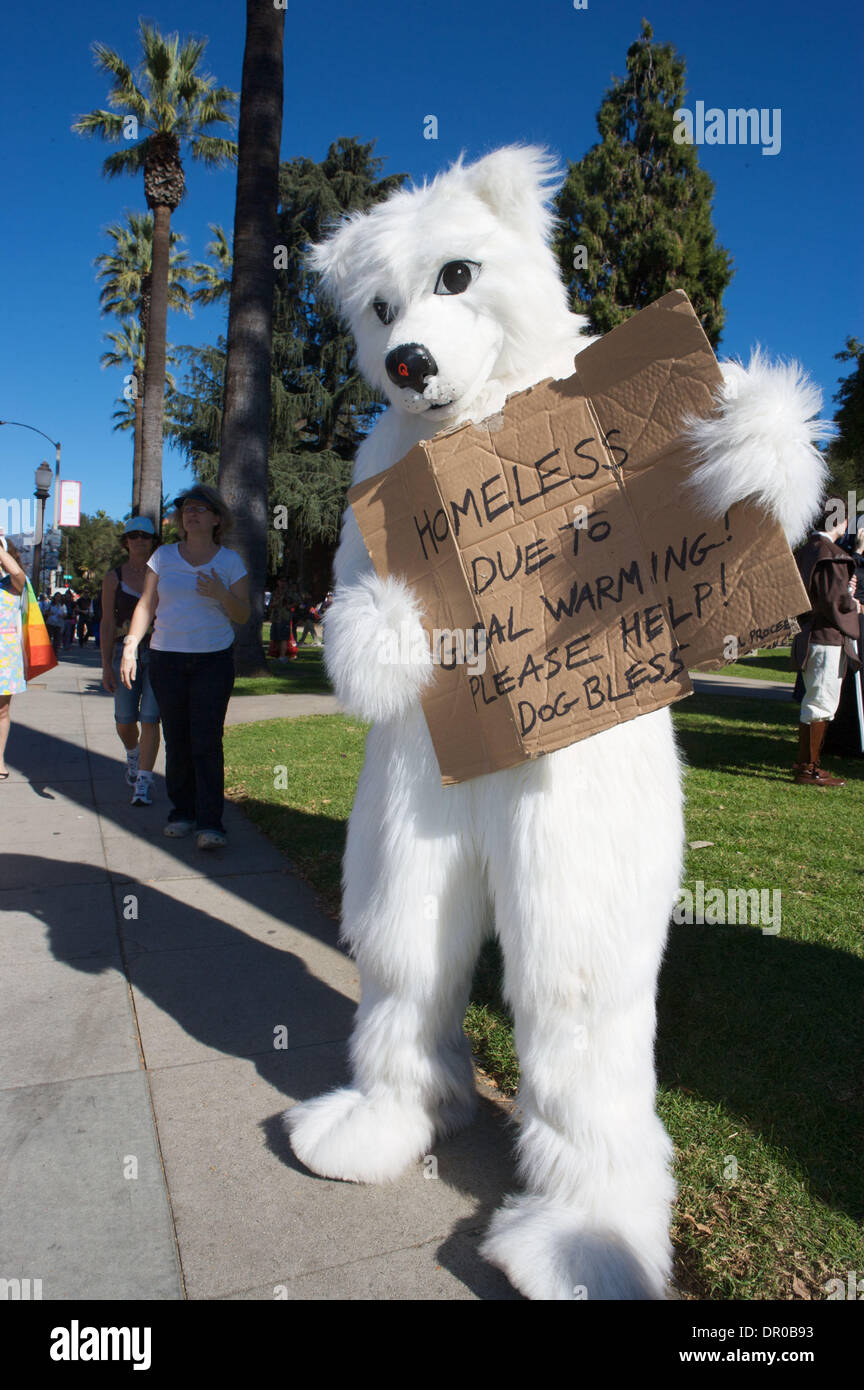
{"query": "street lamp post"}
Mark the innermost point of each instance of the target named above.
(56, 443)
(43, 490)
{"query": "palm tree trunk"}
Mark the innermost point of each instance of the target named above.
(246, 417)
(154, 369)
(137, 436)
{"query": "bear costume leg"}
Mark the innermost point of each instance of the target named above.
(584, 876)
(415, 910)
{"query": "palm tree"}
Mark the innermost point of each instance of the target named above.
(215, 280)
(246, 417)
(170, 98)
(126, 275)
(127, 346)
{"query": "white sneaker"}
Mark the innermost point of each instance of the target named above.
(132, 767)
(143, 793)
(211, 839)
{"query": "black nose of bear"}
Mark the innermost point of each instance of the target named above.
(409, 365)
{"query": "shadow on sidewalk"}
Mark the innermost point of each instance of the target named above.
(230, 992)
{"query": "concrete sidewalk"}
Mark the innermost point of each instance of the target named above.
(718, 684)
(146, 989)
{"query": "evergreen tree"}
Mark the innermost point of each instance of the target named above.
(93, 548)
(320, 406)
(640, 205)
(194, 415)
(845, 453)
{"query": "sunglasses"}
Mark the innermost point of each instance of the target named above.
(138, 536)
(192, 507)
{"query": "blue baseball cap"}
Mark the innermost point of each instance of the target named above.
(139, 523)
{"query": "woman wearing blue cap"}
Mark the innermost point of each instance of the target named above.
(121, 589)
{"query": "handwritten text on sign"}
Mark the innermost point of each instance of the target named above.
(596, 593)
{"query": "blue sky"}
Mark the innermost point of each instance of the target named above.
(491, 73)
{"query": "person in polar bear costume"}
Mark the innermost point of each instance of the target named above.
(575, 859)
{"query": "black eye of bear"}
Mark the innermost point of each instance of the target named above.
(456, 276)
(385, 311)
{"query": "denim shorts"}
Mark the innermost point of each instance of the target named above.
(139, 703)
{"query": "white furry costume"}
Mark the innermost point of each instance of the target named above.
(574, 859)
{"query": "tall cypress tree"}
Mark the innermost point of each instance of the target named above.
(845, 453)
(640, 205)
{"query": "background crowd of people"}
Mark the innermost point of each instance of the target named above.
(68, 615)
(290, 608)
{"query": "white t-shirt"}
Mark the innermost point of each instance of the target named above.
(186, 621)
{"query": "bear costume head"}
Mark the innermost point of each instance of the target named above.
(451, 288)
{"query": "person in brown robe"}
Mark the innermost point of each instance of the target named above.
(826, 646)
(845, 733)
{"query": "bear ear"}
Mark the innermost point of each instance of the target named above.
(330, 258)
(517, 183)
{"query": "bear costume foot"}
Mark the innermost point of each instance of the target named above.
(548, 1253)
(346, 1134)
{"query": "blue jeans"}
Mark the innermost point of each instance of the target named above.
(139, 702)
(193, 690)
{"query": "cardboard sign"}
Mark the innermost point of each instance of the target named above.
(563, 529)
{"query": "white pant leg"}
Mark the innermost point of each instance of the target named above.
(823, 680)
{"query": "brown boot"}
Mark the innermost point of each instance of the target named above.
(807, 772)
(818, 730)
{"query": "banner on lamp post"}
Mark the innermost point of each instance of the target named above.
(70, 503)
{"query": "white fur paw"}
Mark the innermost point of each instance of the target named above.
(760, 444)
(376, 649)
(455, 1113)
(550, 1254)
(348, 1135)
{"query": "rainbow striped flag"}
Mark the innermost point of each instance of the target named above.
(39, 655)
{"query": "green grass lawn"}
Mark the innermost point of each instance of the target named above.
(770, 665)
(760, 1037)
(305, 675)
